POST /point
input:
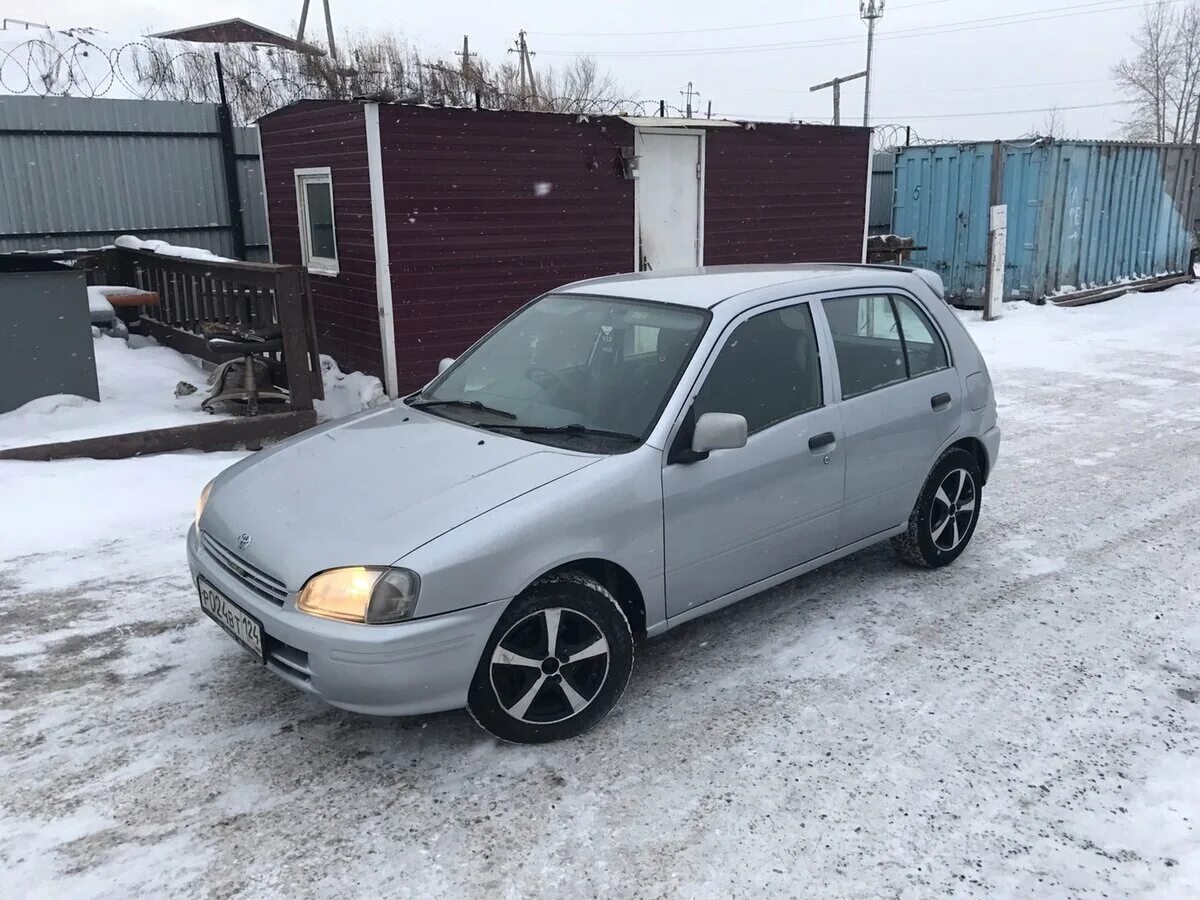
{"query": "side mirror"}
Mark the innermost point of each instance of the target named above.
(444, 364)
(719, 431)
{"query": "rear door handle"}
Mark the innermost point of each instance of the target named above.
(939, 402)
(820, 441)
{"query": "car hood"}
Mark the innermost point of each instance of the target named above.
(368, 490)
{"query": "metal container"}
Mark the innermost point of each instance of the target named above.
(1081, 214)
(46, 332)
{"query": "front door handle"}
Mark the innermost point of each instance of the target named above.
(820, 441)
(939, 402)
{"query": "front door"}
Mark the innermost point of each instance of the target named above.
(670, 199)
(743, 515)
(900, 405)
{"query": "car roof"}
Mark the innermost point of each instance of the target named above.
(705, 287)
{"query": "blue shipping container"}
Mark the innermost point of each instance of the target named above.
(1081, 214)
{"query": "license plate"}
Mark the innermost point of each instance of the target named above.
(245, 629)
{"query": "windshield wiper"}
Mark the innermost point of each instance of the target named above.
(465, 404)
(573, 429)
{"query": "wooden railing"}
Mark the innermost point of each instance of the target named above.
(240, 294)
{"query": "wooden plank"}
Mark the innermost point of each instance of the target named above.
(1099, 295)
(222, 434)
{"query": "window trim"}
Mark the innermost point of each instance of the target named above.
(891, 293)
(318, 265)
(924, 315)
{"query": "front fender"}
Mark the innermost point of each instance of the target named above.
(611, 510)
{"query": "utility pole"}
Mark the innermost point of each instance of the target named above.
(466, 55)
(836, 84)
(328, 27)
(709, 116)
(869, 11)
(689, 93)
(525, 67)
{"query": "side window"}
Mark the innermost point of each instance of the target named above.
(867, 342)
(768, 370)
(922, 344)
(318, 239)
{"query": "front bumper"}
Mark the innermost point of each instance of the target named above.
(416, 667)
(991, 443)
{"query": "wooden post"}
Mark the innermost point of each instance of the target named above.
(993, 294)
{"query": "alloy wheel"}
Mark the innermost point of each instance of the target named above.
(953, 509)
(549, 666)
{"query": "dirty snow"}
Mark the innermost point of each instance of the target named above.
(1024, 723)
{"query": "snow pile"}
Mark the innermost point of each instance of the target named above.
(346, 393)
(101, 310)
(130, 242)
(137, 393)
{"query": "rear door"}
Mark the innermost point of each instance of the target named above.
(899, 405)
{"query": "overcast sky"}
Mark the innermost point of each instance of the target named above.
(940, 64)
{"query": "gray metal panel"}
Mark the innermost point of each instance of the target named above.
(46, 344)
(883, 183)
(250, 191)
(84, 114)
(80, 172)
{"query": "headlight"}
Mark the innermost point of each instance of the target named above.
(203, 501)
(369, 594)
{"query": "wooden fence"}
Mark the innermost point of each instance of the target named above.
(192, 292)
(240, 294)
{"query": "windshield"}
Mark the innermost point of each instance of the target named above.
(590, 367)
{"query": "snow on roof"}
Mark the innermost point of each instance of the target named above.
(707, 286)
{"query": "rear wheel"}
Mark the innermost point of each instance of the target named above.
(946, 512)
(556, 664)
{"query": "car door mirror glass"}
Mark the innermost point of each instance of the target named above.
(445, 363)
(719, 431)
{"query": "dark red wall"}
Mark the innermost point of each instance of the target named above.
(785, 193)
(330, 134)
(471, 239)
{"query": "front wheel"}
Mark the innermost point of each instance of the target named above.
(946, 513)
(556, 664)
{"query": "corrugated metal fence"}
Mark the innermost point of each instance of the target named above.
(79, 172)
(1081, 214)
(883, 183)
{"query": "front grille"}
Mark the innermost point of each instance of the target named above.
(260, 582)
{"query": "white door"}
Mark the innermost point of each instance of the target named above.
(670, 199)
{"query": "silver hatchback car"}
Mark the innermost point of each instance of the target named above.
(619, 456)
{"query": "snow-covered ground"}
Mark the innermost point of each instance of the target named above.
(137, 393)
(1021, 724)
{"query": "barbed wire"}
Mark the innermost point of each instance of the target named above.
(258, 78)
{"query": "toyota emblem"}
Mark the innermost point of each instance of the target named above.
(244, 540)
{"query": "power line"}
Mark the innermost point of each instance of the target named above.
(967, 115)
(1092, 8)
(906, 92)
(720, 27)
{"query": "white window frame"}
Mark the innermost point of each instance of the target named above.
(319, 265)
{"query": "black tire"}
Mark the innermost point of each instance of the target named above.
(934, 538)
(548, 698)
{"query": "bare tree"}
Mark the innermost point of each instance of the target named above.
(1162, 79)
(1054, 125)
